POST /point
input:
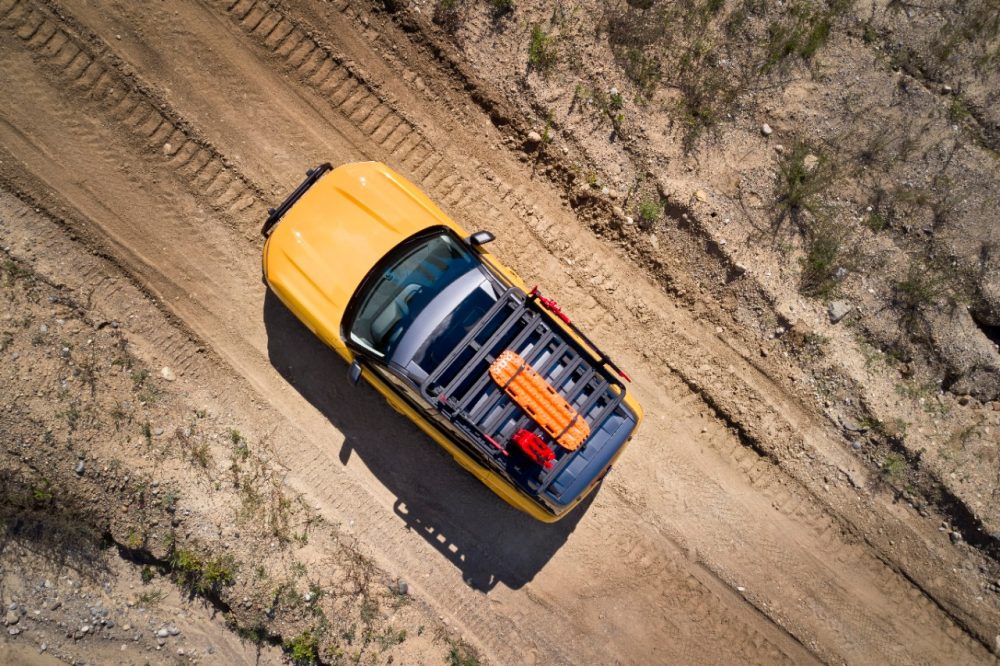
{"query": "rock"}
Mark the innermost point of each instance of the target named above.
(955, 537)
(168, 374)
(856, 445)
(850, 425)
(840, 274)
(700, 195)
(946, 89)
(534, 138)
(79, 468)
(85, 629)
(810, 161)
(43, 329)
(157, 431)
(402, 587)
(838, 310)
(766, 130)
(162, 633)
(629, 220)
(13, 631)
(167, 148)
(11, 618)
(173, 630)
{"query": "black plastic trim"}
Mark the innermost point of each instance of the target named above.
(275, 214)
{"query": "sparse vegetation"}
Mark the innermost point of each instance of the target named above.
(649, 212)
(823, 241)
(804, 176)
(202, 575)
(446, 14)
(893, 467)
(915, 294)
(542, 54)
(500, 8)
(460, 654)
(303, 648)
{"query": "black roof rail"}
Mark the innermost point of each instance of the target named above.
(275, 214)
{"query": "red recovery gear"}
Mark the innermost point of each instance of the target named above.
(534, 447)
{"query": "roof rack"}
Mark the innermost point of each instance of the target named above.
(463, 390)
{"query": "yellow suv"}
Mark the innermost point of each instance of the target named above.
(423, 312)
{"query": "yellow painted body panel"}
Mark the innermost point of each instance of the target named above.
(325, 245)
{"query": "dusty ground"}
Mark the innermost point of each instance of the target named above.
(771, 509)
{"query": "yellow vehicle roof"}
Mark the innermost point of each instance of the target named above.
(327, 242)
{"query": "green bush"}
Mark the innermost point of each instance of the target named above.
(303, 649)
(541, 50)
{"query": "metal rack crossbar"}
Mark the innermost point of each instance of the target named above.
(463, 390)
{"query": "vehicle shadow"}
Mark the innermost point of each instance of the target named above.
(487, 540)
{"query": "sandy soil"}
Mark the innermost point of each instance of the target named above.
(137, 159)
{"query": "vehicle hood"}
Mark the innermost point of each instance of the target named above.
(326, 244)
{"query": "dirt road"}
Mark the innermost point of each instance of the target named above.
(157, 135)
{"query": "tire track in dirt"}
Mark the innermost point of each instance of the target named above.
(468, 610)
(447, 181)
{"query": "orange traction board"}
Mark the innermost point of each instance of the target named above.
(539, 400)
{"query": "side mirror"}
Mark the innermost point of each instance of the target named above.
(354, 373)
(480, 238)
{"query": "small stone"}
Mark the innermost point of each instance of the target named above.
(168, 374)
(402, 587)
(13, 631)
(779, 149)
(12, 618)
(955, 537)
(630, 221)
(946, 89)
(85, 629)
(763, 352)
(838, 310)
(157, 431)
(700, 195)
(43, 647)
(856, 445)
(43, 329)
(810, 162)
(840, 274)
(173, 630)
(534, 138)
(79, 468)
(167, 148)
(162, 633)
(766, 130)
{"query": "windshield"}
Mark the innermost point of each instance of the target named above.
(414, 278)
